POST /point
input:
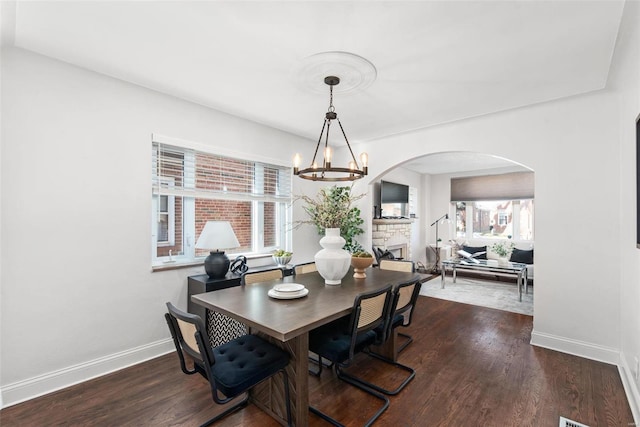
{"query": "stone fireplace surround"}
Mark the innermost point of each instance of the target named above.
(393, 235)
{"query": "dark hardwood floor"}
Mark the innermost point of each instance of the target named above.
(474, 365)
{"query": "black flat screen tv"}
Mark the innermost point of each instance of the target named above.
(390, 192)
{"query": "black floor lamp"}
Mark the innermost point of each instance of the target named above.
(444, 218)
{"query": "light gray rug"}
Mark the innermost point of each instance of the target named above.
(486, 293)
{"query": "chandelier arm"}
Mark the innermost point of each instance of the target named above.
(348, 145)
(319, 141)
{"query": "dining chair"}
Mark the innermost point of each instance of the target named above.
(397, 265)
(307, 267)
(340, 340)
(261, 276)
(404, 299)
(231, 368)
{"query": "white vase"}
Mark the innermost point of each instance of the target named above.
(332, 261)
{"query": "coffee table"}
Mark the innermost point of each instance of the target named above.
(487, 265)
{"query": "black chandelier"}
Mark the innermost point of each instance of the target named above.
(326, 172)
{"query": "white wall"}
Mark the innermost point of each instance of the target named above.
(624, 81)
(561, 141)
(78, 294)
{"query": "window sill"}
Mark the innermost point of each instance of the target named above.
(177, 265)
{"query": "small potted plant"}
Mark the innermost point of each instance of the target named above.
(359, 261)
(502, 249)
(282, 257)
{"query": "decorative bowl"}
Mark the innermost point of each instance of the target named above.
(281, 260)
(359, 264)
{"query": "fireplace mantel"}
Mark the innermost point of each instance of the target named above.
(393, 220)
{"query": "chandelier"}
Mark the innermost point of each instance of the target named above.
(326, 172)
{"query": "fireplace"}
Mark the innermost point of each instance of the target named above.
(399, 251)
(393, 235)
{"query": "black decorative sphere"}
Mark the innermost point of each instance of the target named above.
(216, 264)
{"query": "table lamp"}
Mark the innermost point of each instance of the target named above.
(216, 235)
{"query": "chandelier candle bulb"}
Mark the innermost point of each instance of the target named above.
(297, 159)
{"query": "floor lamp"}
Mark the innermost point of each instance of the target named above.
(444, 218)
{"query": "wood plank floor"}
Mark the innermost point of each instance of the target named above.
(474, 365)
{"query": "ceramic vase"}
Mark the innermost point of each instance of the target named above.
(359, 265)
(503, 261)
(332, 261)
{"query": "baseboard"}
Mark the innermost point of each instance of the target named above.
(31, 388)
(577, 348)
(630, 388)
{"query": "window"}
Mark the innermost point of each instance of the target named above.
(495, 218)
(191, 186)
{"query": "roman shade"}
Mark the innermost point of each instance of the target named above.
(508, 186)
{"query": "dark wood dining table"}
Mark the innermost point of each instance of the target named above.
(286, 322)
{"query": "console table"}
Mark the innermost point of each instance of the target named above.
(220, 328)
(514, 268)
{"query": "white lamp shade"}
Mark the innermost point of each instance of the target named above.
(217, 235)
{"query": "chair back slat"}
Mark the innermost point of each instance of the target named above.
(397, 265)
(188, 332)
(262, 276)
(372, 310)
(309, 267)
(404, 296)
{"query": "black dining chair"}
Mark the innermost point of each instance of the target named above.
(409, 267)
(404, 300)
(231, 368)
(340, 340)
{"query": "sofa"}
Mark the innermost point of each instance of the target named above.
(522, 250)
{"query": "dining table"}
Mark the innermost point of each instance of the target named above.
(287, 322)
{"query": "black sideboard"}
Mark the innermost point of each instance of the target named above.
(220, 328)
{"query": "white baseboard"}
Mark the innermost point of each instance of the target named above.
(600, 354)
(21, 391)
(577, 348)
(630, 388)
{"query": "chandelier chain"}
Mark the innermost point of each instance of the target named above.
(332, 109)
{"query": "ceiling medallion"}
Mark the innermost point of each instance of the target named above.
(355, 72)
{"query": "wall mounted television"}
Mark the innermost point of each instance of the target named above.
(390, 192)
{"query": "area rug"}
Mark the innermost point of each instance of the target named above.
(485, 293)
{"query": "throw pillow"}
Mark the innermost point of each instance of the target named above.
(473, 249)
(523, 256)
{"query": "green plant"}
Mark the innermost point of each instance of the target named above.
(502, 249)
(281, 252)
(361, 254)
(333, 208)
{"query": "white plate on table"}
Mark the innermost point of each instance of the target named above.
(288, 287)
(273, 293)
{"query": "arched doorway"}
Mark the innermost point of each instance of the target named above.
(477, 221)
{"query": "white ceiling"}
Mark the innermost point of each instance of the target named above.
(436, 61)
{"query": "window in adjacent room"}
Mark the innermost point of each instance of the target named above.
(495, 218)
(191, 186)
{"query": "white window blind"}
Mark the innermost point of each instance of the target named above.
(509, 186)
(209, 176)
